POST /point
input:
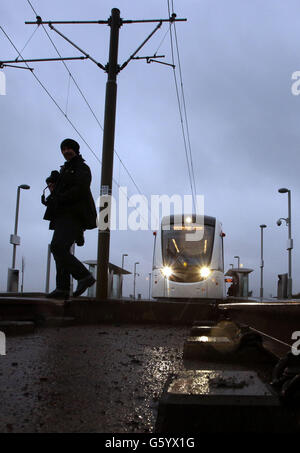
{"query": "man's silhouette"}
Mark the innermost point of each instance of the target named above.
(71, 210)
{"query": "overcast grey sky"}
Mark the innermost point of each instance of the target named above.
(237, 59)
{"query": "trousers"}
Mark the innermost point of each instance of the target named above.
(66, 231)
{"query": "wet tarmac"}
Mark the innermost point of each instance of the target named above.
(101, 379)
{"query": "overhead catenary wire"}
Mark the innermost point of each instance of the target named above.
(28, 41)
(61, 109)
(162, 40)
(184, 109)
(184, 125)
(91, 110)
(185, 131)
(52, 98)
(108, 149)
(68, 94)
(50, 24)
(84, 98)
(39, 22)
(49, 94)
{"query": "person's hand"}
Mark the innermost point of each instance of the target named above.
(43, 199)
(51, 186)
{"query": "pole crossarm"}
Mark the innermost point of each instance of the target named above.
(172, 19)
(76, 47)
(142, 45)
(152, 59)
(2, 65)
(161, 62)
(41, 59)
(115, 22)
(101, 22)
(148, 57)
(48, 22)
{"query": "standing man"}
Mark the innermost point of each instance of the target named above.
(71, 210)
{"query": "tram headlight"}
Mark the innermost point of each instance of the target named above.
(166, 271)
(205, 272)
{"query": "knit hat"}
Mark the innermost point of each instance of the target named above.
(69, 143)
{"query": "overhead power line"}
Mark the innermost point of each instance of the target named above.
(61, 109)
(28, 40)
(51, 97)
(182, 110)
(84, 98)
(112, 68)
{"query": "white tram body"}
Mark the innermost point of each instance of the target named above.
(185, 268)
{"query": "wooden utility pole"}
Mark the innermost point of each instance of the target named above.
(108, 152)
(112, 69)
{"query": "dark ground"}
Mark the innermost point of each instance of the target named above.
(104, 378)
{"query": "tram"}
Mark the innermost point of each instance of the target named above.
(188, 258)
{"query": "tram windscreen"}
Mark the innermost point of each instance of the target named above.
(186, 257)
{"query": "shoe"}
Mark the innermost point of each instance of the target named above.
(58, 294)
(84, 284)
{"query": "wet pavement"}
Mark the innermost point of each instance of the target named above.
(104, 378)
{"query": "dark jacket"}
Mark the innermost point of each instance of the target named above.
(72, 196)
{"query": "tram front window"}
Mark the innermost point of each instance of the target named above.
(184, 257)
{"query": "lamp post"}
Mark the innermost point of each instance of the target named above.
(14, 239)
(150, 274)
(22, 270)
(262, 259)
(123, 256)
(121, 284)
(134, 278)
(238, 258)
(290, 240)
(13, 278)
(154, 245)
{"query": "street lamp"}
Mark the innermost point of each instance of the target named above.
(121, 284)
(123, 256)
(150, 274)
(154, 245)
(288, 222)
(238, 258)
(134, 278)
(262, 260)
(15, 240)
